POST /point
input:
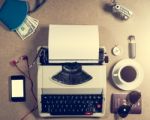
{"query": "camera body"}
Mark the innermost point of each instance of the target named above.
(121, 11)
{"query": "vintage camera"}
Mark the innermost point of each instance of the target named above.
(121, 11)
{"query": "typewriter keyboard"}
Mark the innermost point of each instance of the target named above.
(72, 104)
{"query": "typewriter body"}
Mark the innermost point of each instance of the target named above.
(71, 87)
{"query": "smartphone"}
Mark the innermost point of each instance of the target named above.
(17, 85)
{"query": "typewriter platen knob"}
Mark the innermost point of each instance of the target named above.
(103, 57)
(106, 59)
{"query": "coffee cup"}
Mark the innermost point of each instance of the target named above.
(126, 74)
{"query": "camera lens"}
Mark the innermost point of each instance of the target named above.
(117, 6)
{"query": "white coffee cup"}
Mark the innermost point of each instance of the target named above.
(127, 80)
(126, 74)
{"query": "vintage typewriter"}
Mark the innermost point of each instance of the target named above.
(71, 87)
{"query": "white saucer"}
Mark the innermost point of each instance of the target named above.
(130, 85)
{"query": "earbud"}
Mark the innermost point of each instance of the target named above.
(14, 62)
(24, 57)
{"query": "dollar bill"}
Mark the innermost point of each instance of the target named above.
(24, 30)
(27, 28)
(33, 20)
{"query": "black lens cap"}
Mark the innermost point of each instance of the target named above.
(124, 110)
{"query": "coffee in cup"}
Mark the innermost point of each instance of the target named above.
(128, 73)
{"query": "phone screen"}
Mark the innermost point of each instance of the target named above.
(17, 88)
